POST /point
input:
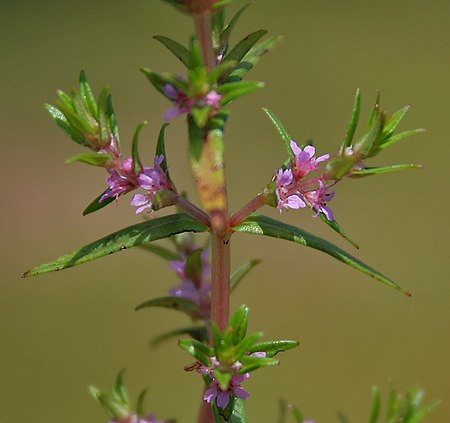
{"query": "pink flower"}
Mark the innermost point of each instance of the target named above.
(121, 179)
(305, 161)
(184, 104)
(285, 187)
(152, 180)
(135, 419)
(319, 198)
(200, 292)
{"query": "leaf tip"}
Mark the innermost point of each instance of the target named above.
(25, 274)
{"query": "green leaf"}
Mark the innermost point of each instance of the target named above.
(271, 348)
(96, 205)
(181, 52)
(196, 58)
(225, 36)
(393, 121)
(112, 120)
(87, 95)
(243, 346)
(421, 414)
(240, 273)
(174, 303)
(336, 227)
(263, 225)
(161, 151)
(120, 390)
(376, 402)
(242, 48)
(137, 164)
(140, 404)
(234, 90)
(400, 136)
(152, 230)
(353, 121)
(103, 121)
(193, 268)
(96, 159)
(237, 414)
(385, 169)
(160, 251)
(252, 58)
(222, 378)
(83, 112)
(296, 413)
(253, 363)
(282, 132)
(201, 115)
(198, 350)
(237, 325)
(155, 79)
(58, 116)
(196, 332)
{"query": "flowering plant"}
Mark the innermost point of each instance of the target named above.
(224, 354)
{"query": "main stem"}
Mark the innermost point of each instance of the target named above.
(219, 219)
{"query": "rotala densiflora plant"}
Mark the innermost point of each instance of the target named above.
(221, 350)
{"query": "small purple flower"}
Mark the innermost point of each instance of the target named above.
(121, 179)
(212, 99)
(184, 104)
(305, 161)
(285, 190)
(319, 198)
(200, 292)
(223, 397)
(152, 180)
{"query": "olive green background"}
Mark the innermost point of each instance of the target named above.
(64, 331)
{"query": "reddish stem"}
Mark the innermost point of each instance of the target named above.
(220, 276)
(203, 29)
(253, 205)
(190, 208)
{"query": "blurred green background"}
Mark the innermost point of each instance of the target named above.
(64, 331)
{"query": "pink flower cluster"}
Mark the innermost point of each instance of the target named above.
(295, 192)
(152, 180)
(199, 292)
(234, 389)
(184, 104)
(123, 178)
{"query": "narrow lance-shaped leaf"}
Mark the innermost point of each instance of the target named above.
(282, 132)
(181, 52)
(252, 58)
(160, 251)
(64, 124)
(162, 227)
(196, 332)
(392, 140)
(229, 28)
(263, 225)
(236, 413)
(376, 403)
(95, 159)
(242, 48)
(353, 120)
(385, 169)
(96, 205)
(239, 274)
(161, 150)
(112, 120)
(393, 121)
(296, 413)
(174, 303)
(337, 228)
(234, 90)
(87, 95)
(103, 120)
(137, 164)
(272, 348)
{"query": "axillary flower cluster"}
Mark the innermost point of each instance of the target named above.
(294, 191)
